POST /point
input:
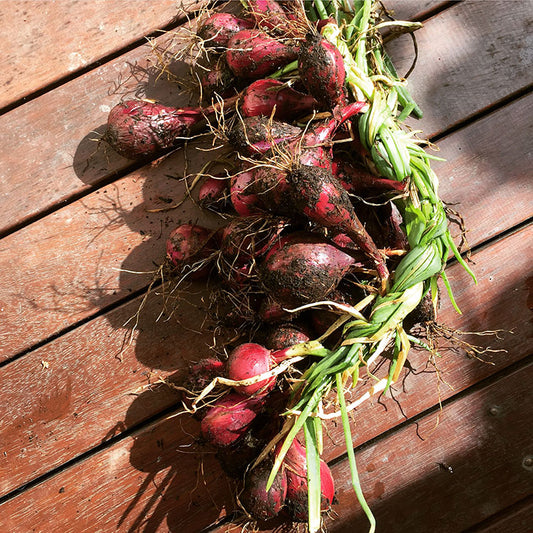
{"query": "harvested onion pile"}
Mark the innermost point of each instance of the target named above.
(334, 242)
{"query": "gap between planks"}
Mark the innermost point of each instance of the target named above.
(31, 212)
(474, 177)
(461, 375)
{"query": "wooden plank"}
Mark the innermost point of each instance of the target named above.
(431, 381)
(518, 518)
(56, 39)
(457, 77)
(85, 377)
(148, 478)
(59, 153)
(483, 436)
(112, 230)
(417, 9)
(90, 385)
(54, 137)
(90, 254)
(490, 191)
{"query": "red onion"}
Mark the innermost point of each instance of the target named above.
(256, 500)
(187, 245)
(217, 29)
(229, 418)
(137, 129)
(247, 361)
(253, 54)
(263, 97)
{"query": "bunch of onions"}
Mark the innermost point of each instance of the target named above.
(301, 76)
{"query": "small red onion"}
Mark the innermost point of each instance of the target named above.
(247, 361)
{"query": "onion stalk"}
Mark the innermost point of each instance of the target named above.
(397, 154)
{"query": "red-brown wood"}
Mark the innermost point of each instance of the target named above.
(491, 192)
(54, 138)
(517, 518)
(85, 377)
(57, 149)
(84, 246)
(408, 490)
(44, 41)
(68, 285)
(107, 490)
(462, 53)
(92, 384)
(404, 483)
(417, 9)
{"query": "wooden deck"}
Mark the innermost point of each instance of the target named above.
(87, 443)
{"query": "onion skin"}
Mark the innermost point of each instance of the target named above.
(228, 419)
(321, 68)
(216, 79)
(246, 238)
(188, 244)
(252, 54)
(296, 468)
(357, 180)
(217, 29)
(264, 97)
(303, 272)
(243, 197)
(256, 500)
(271, 311)
(203, 372)
(213, 193)
(286, 335)
(315, 148)
(272, 189)
(269, 14)
(257, 135)
(138, 129)
(312, 149)
(247, 361)
(323, 199)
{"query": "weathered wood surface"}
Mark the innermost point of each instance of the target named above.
(86, 248)
(71, 275)
(56, 153)
(57, 149)
(43, 41)
(409, 491)
(89, 254)
(108, 396)
(517, 518)
(466, 50)
(417, 9)
(404, 482)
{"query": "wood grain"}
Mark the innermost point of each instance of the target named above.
(58, 152)
(142, 483)
(416, 9)
(44, 41)
(490, 191)
(464, 53)
(86, 395)
(90, 254)
(483, 436)
(68, 266)
(139, 481)
(93, 384)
